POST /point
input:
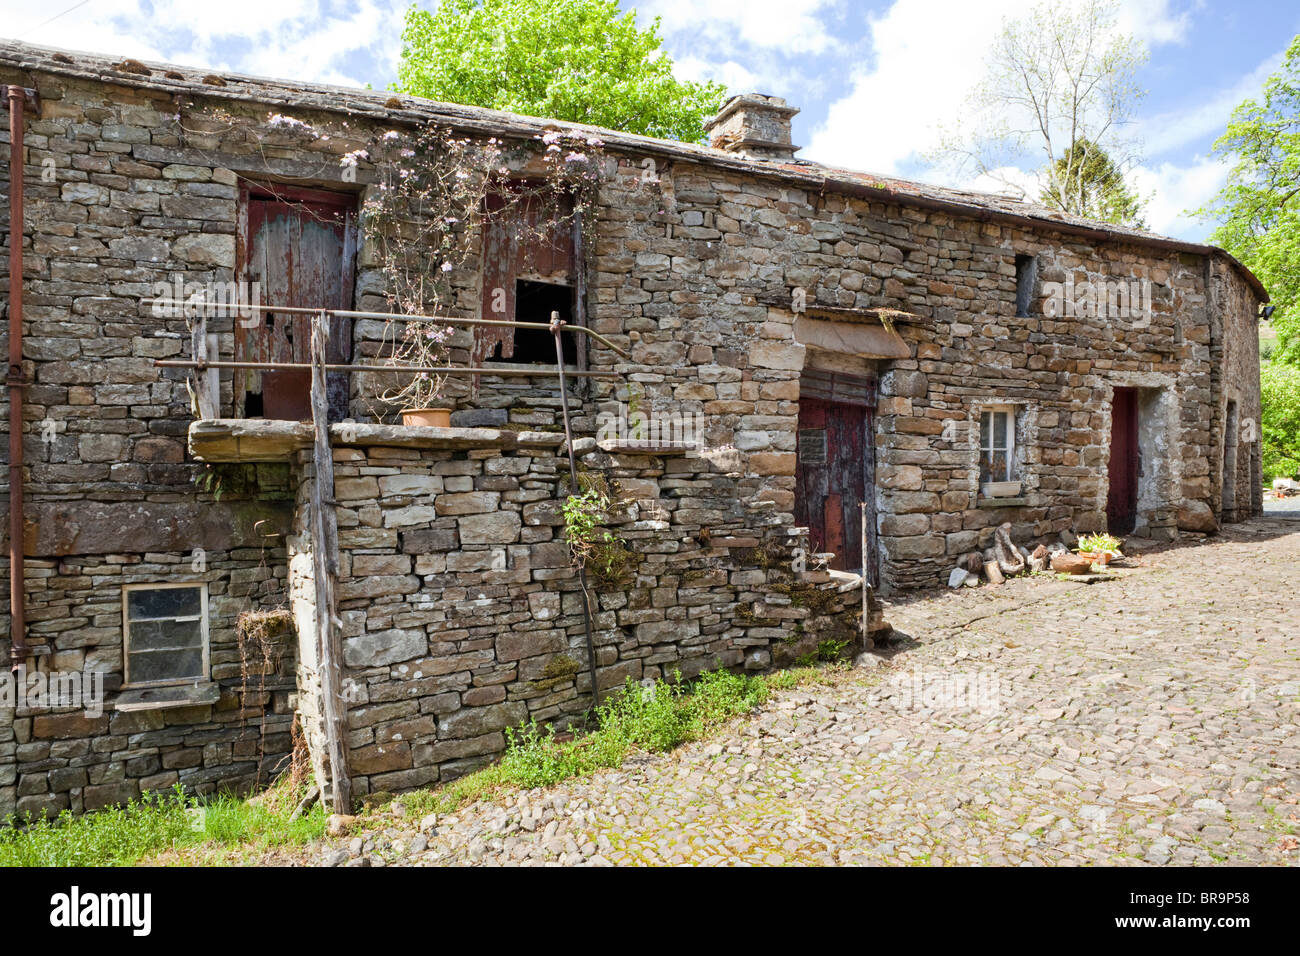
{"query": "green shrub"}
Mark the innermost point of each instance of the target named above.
(156, 823)
(1280, 420)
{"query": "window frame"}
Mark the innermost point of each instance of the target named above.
(1011, 470)
(204, 637)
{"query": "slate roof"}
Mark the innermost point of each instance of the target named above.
(382, 105)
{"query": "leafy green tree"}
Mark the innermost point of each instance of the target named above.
(1280, 420)
(1087, 182)
(1260, 205)
(576, 60)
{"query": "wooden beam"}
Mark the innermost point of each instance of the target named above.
(325, 567)
(206, 397)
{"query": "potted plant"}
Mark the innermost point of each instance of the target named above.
(420, 345)
(1099, 548)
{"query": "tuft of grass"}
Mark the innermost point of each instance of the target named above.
(158, 823)
(650, 718)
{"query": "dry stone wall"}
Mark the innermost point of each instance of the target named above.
(461, 611)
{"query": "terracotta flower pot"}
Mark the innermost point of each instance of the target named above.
(435, 417)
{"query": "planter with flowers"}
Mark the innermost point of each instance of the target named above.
(419, 349)
(1101, 549)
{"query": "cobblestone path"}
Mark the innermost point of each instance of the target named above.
(1150, 719)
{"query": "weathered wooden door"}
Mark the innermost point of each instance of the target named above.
(299, 245)
(1121, 502)
(834, 475)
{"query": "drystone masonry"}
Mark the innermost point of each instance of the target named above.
(461, 614)
(715, 268)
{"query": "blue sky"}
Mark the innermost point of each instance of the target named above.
(875, 80)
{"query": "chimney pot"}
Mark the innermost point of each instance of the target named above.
(754, 126)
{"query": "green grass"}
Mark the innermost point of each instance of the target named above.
(157, 824)
(635, 719)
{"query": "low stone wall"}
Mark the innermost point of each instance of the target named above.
(462, 614)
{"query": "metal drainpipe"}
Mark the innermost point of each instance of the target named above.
(17, 617)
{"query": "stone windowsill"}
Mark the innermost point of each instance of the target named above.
(1020, 501)
(133, 699)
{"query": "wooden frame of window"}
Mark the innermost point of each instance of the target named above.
(201, 617)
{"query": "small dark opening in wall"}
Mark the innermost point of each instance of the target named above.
(1026, 279)
(534, 302)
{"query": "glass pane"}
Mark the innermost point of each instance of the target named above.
(149, 666)
(1000, 430)
(984, 429)
(998, 466)
(163, 602)
(985, 465)
(164, 635)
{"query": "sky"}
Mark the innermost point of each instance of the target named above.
(876, 80)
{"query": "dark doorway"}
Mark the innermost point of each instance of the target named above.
(1121, 502)
(834, 476)
(1228, 501)
(299, 246)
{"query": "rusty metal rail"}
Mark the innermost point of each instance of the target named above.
(393, 317)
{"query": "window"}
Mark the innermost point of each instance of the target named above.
(998, 445)
(166, 633)
(1026, 279)
(534, 302)
(531, 268)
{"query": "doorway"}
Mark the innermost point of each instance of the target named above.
(1122, 499)
(835, 469)
(299, 246)
(1228, 506)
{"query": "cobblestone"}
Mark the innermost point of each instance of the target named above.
(1151, 719)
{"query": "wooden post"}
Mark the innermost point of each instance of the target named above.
(206, 397)
(325, 567)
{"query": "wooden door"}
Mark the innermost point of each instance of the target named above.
(1121, 502)
(832, 480)
(299, 245)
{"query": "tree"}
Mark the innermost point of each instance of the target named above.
(1059, 88)
(1098, 189)
(1280, 420)
(1260, 206)
(575, 60)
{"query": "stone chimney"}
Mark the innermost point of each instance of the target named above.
(754, 126)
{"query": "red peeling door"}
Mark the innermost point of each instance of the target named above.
(299, 246)
(833, 473)
(1121, 502)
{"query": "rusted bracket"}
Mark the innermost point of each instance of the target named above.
(31, 98)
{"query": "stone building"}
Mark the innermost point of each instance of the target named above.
(843, 345)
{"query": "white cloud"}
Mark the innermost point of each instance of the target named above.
(926, 57)
(792, 26)
(307, 40)
(1175, 189)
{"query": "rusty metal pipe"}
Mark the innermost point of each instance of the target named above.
(393, 317)
(557, 326)
(17, 616)
(484, 370)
